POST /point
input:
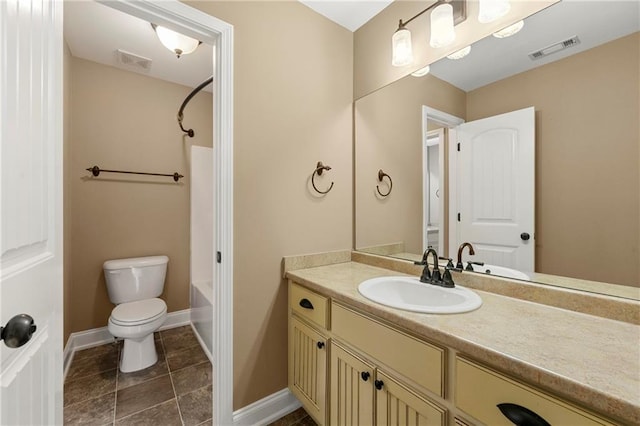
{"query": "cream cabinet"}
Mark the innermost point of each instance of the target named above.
(351, 368)
(494, 399)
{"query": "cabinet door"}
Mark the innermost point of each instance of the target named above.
(351, 389)
(308, 368)
(397, 405)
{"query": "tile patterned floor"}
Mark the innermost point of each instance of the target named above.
(174, 391)
(297, 418)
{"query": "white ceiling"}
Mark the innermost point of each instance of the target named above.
(351, 14)
(492, 59)
(95, 32)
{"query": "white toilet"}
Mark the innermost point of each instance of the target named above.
(134, 286)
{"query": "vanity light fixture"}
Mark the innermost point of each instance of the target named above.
(510, 30)
(446, 13)
(421, 72)
(490, 10)
(179, 44)
(460, 53)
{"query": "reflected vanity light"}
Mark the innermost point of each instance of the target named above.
(421, 72)
(510, 30)
(490, 10)
(443, 18)
(460, 53)
(179, 44)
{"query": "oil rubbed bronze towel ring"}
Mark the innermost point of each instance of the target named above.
(381, 175)
(318, 171)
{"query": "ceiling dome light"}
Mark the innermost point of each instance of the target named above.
(460, 53)
(422, 71)
(442, 32)
(490, 10)
(510, 30)
(402, 51)
(179, 44)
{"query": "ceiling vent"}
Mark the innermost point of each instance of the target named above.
(132, 60)
(556, 47)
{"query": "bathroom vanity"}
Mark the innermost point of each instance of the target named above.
(353, 361)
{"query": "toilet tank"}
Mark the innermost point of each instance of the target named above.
(136, 278)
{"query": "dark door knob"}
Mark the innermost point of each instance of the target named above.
(378, 384)
(365, 375)
(18, 331)
(320, 345)
(525, 236)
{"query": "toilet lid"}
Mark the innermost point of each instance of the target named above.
(140, 311)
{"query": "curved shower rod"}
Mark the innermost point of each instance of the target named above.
(190, 132)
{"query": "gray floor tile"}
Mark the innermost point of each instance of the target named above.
(196, 406)
(186, 357)
(110, 348)
(179, 341)
(98, 411)
(89, 387)
(92, 365)
(144, 395)
(191, 378)
(165, 414)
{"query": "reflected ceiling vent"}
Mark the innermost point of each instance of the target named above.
(132, 60)
(556, 47)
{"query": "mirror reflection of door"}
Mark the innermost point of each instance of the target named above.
(495, 176)
(433, 230)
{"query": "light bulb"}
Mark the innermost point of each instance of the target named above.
(460, 53)
(510, 30)
(402, 51)
(421, 72)
(490, 10)
(179, 44)
(442, 32)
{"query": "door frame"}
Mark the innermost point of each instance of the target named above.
(450, 121)
(180, 17)
(426, 183)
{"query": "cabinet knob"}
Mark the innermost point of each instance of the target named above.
(378, 384)
(320, 345)
(365, 375)
(521, 416)
(305, 303)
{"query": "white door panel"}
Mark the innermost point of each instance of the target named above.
(496, 188)
(31, 208)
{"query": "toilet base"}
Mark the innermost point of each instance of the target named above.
(138, 354)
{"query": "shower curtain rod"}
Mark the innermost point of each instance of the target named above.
(190, 132)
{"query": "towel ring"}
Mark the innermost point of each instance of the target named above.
(318, 171)
(382, 175)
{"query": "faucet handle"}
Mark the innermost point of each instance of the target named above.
(449, 261)
(419, 262)
(470, 268)
(447, 279)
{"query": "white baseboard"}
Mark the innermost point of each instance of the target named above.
(100, 336)
(267, 409)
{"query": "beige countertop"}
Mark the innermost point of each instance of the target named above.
(590, 360)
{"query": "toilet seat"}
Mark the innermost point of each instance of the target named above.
(139, 312)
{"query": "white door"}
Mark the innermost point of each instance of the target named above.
(496, 188)
(31, 208)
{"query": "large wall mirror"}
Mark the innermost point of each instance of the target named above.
(548, 169)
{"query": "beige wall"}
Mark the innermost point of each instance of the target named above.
(372, 41)
(126, 121)
(293, 107)
(388, 127)
(587, 159)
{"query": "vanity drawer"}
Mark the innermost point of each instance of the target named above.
(309, 305)
(479, 390)
(416, 360)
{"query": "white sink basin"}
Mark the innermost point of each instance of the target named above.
(409, 294)
(501, 271)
